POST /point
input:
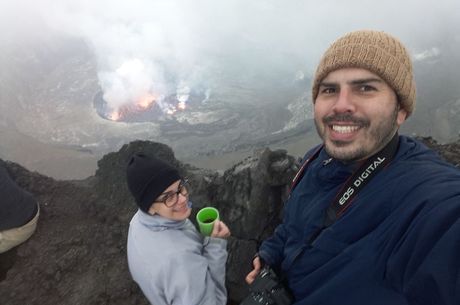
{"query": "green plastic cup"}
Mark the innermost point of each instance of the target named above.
(206, 218)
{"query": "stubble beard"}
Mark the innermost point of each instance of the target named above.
(378, 136)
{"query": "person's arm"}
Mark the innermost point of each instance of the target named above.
(257, 263)
(215, 250)
(270, 252)
(425, 266)
(189, 278)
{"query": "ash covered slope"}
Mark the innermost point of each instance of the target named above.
(78, 253)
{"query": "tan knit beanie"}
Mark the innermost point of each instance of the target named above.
(377, 52)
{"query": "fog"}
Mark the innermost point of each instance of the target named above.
(144, 46)
(253, 61)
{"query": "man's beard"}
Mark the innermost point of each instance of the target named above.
(380, 135)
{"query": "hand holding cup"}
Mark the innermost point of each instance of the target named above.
(209, 223)
(220, 230)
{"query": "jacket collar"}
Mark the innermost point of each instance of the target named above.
(159, 223)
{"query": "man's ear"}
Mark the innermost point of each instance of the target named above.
(402, 116)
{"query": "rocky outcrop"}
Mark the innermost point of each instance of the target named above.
(78, 253)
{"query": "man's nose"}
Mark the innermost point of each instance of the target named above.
(344, 101)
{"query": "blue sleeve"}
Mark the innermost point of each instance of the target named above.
(425, 267)
(271, 250)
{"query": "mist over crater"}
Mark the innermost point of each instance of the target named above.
(211, 80)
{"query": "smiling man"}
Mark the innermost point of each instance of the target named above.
(356, 113)
(374, 217)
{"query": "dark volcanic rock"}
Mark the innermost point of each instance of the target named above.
(78, 253)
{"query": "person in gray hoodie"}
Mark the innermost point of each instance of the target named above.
(167, 257)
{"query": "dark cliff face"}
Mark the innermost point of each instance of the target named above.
(78, 253)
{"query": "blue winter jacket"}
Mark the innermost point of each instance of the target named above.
(398, 242)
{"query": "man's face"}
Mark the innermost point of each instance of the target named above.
(356, 113)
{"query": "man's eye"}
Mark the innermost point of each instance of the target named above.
(365, 88)
(328, 90)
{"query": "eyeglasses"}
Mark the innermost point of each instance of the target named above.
(171, 198)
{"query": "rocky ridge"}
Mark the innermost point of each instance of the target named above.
(78, 253)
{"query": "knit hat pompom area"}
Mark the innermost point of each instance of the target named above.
(148, 177)
(377, 52)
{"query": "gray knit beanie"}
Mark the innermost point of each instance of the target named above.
(377, 52)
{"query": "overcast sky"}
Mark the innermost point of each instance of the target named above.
(136, 41)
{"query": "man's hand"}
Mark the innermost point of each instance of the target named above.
(253, 274)
(220, 230)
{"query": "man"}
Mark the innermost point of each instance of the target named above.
(167, 257)
(374, 217)
(19, 213)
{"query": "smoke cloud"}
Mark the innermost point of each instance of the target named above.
(165, 47)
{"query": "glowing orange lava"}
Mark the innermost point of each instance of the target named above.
(181, 105)
(114, 115)
(145, 101)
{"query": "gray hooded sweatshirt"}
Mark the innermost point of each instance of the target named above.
(174, 264)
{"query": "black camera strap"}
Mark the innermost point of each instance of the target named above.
(344, 198)
(360, 178)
